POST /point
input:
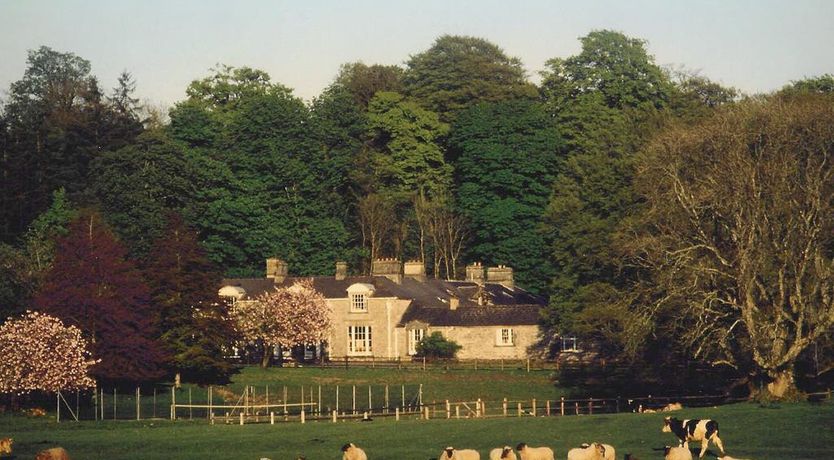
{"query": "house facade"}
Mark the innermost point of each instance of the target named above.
(384, 315)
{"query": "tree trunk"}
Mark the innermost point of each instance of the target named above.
(266, 359)
(782, 384)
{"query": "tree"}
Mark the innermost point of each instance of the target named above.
(407, 158)
(194, 324)
(285, 317)
(458, 72)
(824, 84)
(445, 228)
(364, 81)
(507, 154)
(93, 286)
(377, 222)
(40, 353)
(735, 244)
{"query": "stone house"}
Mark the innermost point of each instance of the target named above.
(384, 315)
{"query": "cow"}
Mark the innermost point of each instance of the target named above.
(694, 430)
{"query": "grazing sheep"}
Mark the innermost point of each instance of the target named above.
(55, 453)
(351, 452)
(502, 453)
(6, 446)
(676, 453)
(610, 452)
(672, 407)
(534, 453)
(694, 430)
(593, 451)
(450, 453)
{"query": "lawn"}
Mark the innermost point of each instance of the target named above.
(789, 431)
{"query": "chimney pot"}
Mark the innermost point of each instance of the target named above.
(389, 268)
(415, 269)
(454, 302)
(276, 269)
(502, 275)
(341, 270)
(475, 273)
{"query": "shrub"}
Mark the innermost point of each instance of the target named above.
(437, 346)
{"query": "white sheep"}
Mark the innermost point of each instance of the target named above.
(593, 451)
(351, 452)
(610, 452)
(677, 453)
(534, 453)
(502, 453)
(450, 453)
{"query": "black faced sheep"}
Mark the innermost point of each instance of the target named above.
(502, 453)
(450, 453)
(534, 453)
(351, 452)
(593, 451)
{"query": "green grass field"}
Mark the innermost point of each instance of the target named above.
(790, 432)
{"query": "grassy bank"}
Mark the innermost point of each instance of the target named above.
(790, 431)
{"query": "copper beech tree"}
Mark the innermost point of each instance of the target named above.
(40, 353)
(285, 317)
(734, 249)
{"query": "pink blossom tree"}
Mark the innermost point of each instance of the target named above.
(285, 317)
(40, 353)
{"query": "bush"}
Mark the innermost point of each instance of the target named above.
(436, 346)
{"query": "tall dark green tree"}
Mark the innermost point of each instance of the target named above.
(508, 154)
(192, 319)
(459, 71)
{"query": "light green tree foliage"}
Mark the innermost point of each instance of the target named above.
(53, 223)
(406, 156)
(459, 71)
(822, 84)
(508, 154)
(363, 81)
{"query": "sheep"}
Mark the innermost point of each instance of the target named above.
(351, 452)
(450, 453)
(6, 446)
(676, 453)
(534, 453)
(610, 452)
(502, 453)
(55, 453)
(593, 451)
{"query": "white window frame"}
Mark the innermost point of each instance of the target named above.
(360, 340)
(359, 303)
(414, 337)
(505, 337)
(570, 345)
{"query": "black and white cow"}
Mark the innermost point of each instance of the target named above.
(694, 430)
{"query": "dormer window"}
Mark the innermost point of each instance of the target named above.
(358, 302)
(358, 296)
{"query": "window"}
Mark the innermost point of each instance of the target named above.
(359, 340)
(569, 344)
(414, 337)
(505, 337)
(358, 302)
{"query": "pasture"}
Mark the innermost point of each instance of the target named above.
(788, 431)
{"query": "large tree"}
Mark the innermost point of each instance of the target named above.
(285, 317)
(193, 322)
(458, 72)
(93, 286)
(508, 154)
(735, 244)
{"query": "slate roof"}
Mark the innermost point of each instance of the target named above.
(429, 299)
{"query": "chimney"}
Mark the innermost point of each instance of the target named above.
(277, 270)
(341, 270)
(453, 303)
(389, 268)
(475, 273)
(415, 269)
(502, 275)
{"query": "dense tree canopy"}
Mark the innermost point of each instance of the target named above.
(460, 71)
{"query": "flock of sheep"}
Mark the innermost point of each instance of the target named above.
(703, 431)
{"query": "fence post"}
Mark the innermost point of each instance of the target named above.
(386, 398)
(211, 402)
(420, 396)
(370, 400)
(424, 363)
(397, 414)
(354, 400)
(337, 398)
(241, 418)
(334, 414)
(58, 407)
(562, 406)
(577, 407)
(504, 406)
(302, 414)
(528, 365)
(483, 408)
(95, 401)
(318, 406)
(427, 412)
(138, 397)
(173, 403)
(402, 401)
(457, 411)
(591, 406)
(285, 402)
(271, 418)
(534, 407)
(448, 409)
(547, 407)
(478, 408)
